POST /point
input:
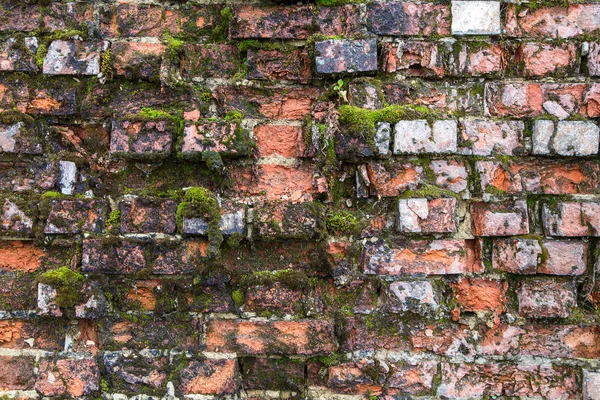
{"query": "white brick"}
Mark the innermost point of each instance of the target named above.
(570, 138)
(475, 18)
(414, 137)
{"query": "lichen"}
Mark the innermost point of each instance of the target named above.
(67, 283)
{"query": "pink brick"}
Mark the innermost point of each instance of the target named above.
(500, 219)
(542, 298)
(513, 99)
(427, 216)
(571, 219)
(544, 59)
(554, 22)
(488, 137)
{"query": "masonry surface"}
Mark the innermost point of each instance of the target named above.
(332, 200)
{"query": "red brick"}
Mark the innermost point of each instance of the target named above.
(530, 256)
(565, 341)
(427, 216)
(141, 139)
(75, 377)
(499, 219)
(18, 291)
(478, 380)
(391, 180)
(18, 334)
(20, 256)
(16, 373)
(20, 138)
(414, 59)
(571, 219)
(480, 294)
(280, 337)
(223, 137)
(282, 219)
(487, 137)
(369, 377)
(53, 101)
(279, 65)
(277, 182)
(450, 174)
(408, 18)
(283, 140)
(545, 59)
(514, 99)
(137, 59)
(210, 377)
(278, 22)
(555, 22)
(76, 216)
(12, 56)
(275, 297)
(539, 177)
(540, 298)
(344, 20)
(479, 60)
(144, 293)
(372, 333)
(209, 61)
(568, 96)
(430, 257)
(108, 257)
(444, 339)
(147, 215)
(150, 333)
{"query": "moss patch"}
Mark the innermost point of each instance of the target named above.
(68, 285)
(201, 202)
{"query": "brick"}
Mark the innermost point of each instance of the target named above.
(346, 56)
(72, 58)
(108, 257)
(566, 138)
(553, 22)
(513, 99)
(279, 65)
(210, 377)
(279, 104)
(422, 257)
(233, 220)
(444, 339)
(277, 182)
(571, 219)
(145, 20)
(275, 297)
(530, 256)
(565, 98)
(450, 174)
(53, 101)
(427, 216)
(147, 215)
(24, 177)
(499, 219)
(565, 341)
(273, 374)
(544, 298)
(16, 373)
(18, 54)
(76, 216)
(475, 17)
(277, 22)
(415, 296)
(544, 59)
(591, 385)
(480, 294)
(416, 137)
(593, 59)
(137, 59)
(279, 337)
(17, 218)
(477, 380)
(223, 137)
(282, 140)
(67, 177)
(141, 139)
(414, 58)
(344, 20)
(17, 291)
(75, 377)
(367, 376)
(391, 180)
(539, 177)
(150, 334)
(285, 220)
(135, 372)
(20, 138)
(486, 137)
(37, 334)
(200, 61)
(408, 19)
(480, 60)
(16, 255)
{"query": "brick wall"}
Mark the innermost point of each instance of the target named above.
(339, 200)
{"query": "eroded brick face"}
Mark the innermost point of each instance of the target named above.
(313, 200)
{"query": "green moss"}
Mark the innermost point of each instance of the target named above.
(238, 297)
(201, 202)
(295, 280)
(234, 115)
(221, 31)
(13, 116)
(114, 219)
(106, 66)
(244, 45)
(174, 46)
(67, 283)
(428, 191)
(343, 221)
(40, 54)
(53, 195)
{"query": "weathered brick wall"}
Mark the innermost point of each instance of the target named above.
(338, 200)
